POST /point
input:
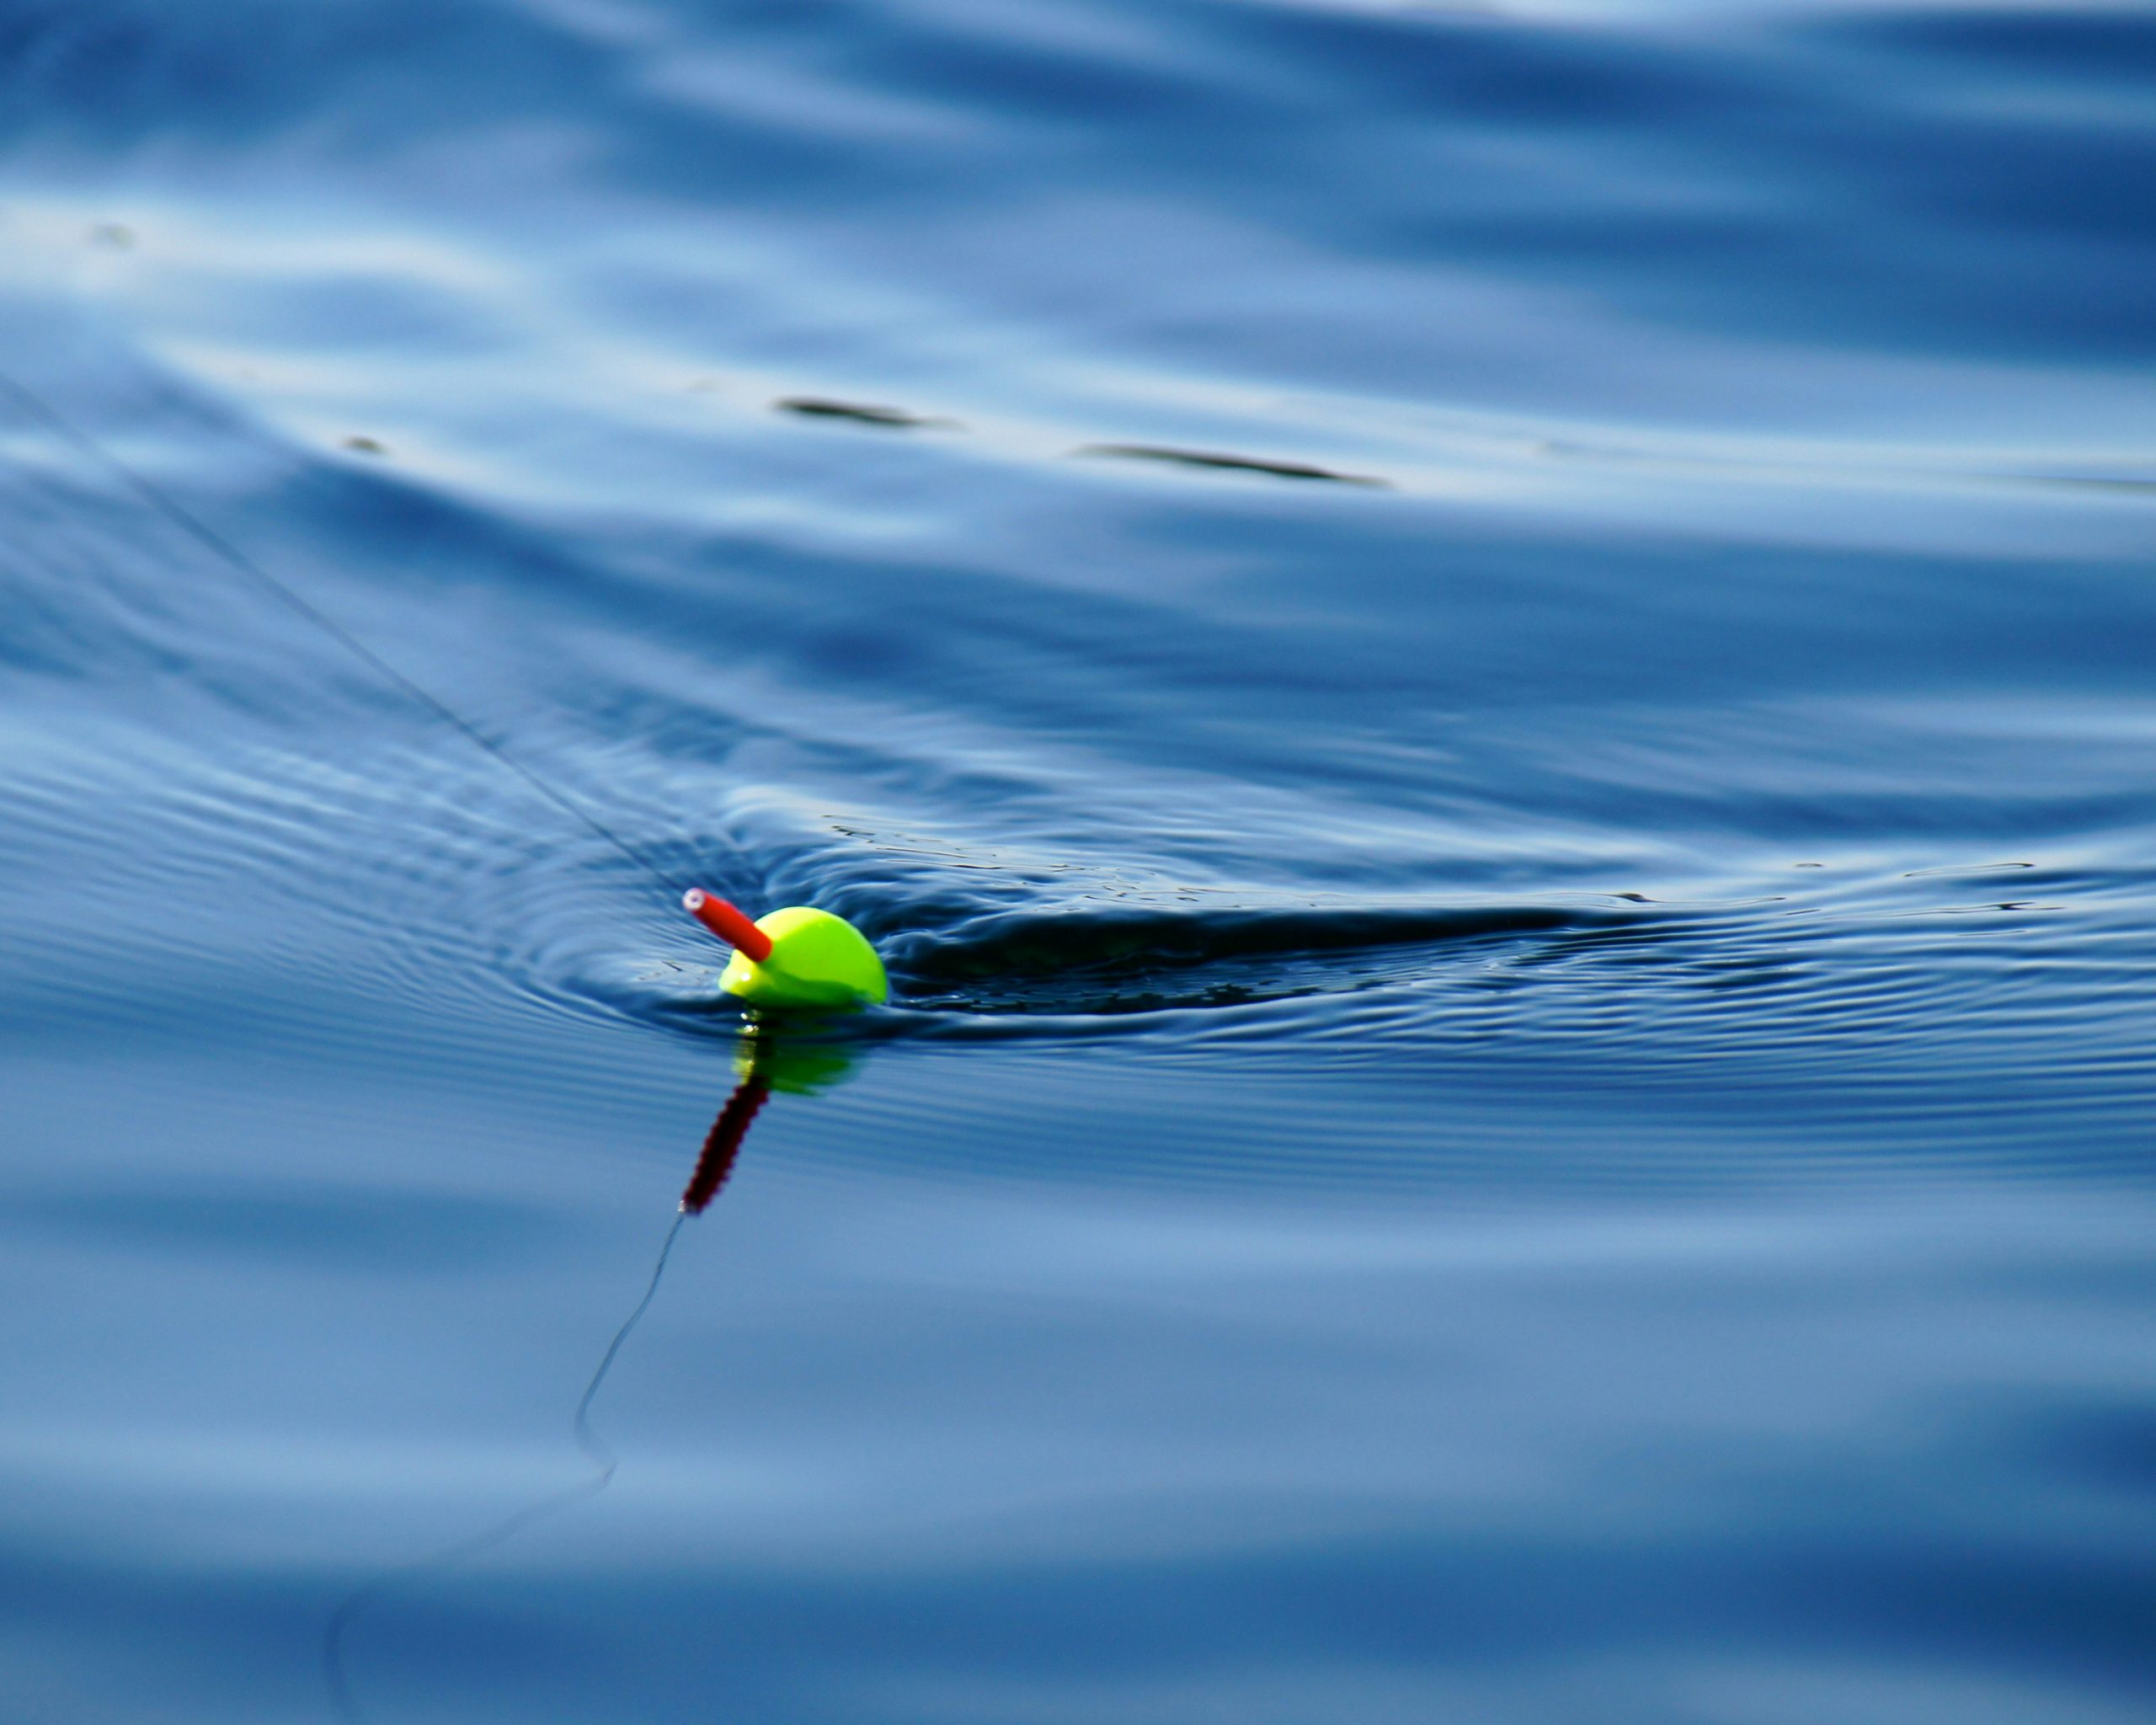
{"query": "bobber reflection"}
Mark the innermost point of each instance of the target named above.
(764, 1062)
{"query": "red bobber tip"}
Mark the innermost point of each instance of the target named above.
(729, 924)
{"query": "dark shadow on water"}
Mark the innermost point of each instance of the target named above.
(1231, 463)
(765, 1060)
(1122, 963)
(813, 407)
(1002, 948)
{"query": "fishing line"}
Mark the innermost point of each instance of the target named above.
(722, 1145)
(595, 1450)
(162, 503)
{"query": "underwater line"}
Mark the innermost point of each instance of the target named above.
(341, 1699)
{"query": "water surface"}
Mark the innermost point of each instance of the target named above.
(1486, 674)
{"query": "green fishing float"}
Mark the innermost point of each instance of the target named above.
(797, 957)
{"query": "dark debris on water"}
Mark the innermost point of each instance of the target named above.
(1229, 463)
(859, 412)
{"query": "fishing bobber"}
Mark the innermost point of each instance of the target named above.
(796, 957)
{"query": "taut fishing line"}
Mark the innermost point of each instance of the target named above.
(162, 503)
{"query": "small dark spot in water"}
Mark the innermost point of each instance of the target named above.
(1229, 463)
(113, 236)
(2131, 485)
(890, 419)
(366, 445)
(1808, 865)
(1633, 898)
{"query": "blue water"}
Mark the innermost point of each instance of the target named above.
(1489, 674)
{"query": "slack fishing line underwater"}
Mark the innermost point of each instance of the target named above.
(794, 958)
